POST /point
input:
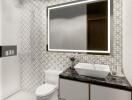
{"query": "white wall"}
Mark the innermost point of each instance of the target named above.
(0, 19)
(0, 58)
(127, 38)
(10, 36)
(10, 22)
(70, 30)
(73, 38)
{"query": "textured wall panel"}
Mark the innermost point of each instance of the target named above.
(34, 40)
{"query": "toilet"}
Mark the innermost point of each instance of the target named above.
(49, 90)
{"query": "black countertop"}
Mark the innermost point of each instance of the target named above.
(109, 81)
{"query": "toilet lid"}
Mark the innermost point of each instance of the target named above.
(45, 89)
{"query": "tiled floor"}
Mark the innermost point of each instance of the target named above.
(22, 96)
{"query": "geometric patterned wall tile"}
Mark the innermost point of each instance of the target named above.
(34, 56)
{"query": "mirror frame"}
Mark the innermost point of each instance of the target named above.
(110, 16)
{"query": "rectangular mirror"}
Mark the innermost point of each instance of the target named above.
(81, 26)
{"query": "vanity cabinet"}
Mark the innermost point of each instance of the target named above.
(73, 86)
(73, 90)
(105, 93)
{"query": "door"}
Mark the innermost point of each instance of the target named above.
(73, 90)
(105, 93)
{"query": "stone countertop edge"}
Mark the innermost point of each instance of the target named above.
(110, 81)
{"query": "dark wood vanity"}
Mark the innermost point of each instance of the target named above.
(73, 86)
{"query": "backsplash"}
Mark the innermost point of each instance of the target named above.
(35, 58)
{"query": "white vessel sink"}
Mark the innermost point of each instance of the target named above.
(94, 70)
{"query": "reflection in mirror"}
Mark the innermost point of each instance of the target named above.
(80, 27)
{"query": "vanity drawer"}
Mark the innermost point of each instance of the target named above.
(73, 90)
(104, 93)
